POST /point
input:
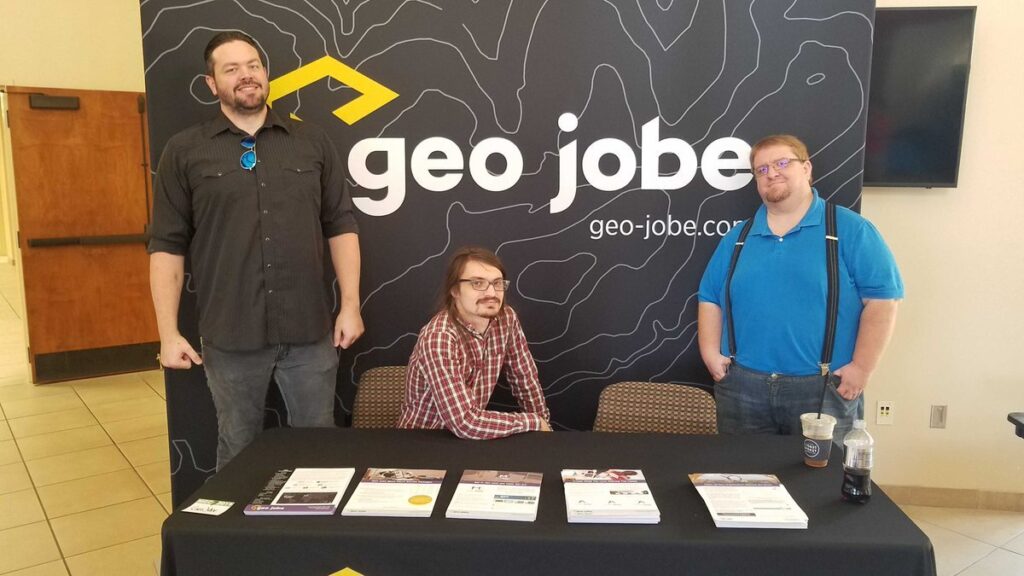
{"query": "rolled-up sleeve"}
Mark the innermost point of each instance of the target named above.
(172, 228)
(337, 215)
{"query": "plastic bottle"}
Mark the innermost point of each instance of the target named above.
(857, 463)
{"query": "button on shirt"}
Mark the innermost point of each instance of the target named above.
(452, 373)
(255, 237)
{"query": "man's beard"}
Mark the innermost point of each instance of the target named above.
(486, 312)
(778, 195)
(247, 103)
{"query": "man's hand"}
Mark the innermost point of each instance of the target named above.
(852, 381)
(718, 366)
(348, 327)
(177, 353)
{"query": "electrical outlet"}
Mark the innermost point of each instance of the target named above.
(938, 419)
(886, 413)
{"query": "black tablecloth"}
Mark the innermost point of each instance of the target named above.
(872, 539)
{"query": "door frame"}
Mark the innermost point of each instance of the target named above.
(9, 213)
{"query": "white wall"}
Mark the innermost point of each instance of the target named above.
(93, 45)
(961, 250)
(959, 336)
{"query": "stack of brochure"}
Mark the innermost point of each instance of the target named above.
(748, 501)
(496, 495)
(609, 496)
(395, 492)
(302, 491)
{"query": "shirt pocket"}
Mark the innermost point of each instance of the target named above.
(219, 187)
(301, 183)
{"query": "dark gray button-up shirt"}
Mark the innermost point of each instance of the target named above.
(255, 237)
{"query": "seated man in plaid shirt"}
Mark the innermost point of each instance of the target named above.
(460, 352)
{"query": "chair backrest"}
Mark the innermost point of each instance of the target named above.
(655, 407)
(379, 398)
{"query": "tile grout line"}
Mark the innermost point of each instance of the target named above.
(113, 545)
(35, 487)
(934, 525)
(972, 564)
(121, 450)
(46, 517)
(1012, 538)
(986, 555)
(46, 414)
(11, 306)
(64, 557)
(88, 408)
(982, 541)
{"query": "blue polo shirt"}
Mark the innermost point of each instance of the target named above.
(780, 286)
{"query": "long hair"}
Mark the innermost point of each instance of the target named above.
(456, 266)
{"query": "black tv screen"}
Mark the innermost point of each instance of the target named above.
(919, 69)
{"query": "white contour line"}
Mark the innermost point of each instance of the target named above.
(176, 444)
(519, 276)
(497, 44)
(696, 6)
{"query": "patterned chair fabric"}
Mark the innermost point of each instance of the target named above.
(655, 407)
(379, 398)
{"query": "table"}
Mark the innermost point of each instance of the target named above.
(842, 538)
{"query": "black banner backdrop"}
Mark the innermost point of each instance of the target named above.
(605, 268)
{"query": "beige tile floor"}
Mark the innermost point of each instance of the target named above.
(84, 477)
(84, 480)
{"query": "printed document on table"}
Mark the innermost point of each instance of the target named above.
(400, 492)
(748, 501)
(496, 495)
(302, 491)
(613, 495)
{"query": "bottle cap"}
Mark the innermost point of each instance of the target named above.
(859, 424)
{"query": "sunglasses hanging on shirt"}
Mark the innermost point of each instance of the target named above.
(248, 159)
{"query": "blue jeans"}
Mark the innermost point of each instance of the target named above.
(752, 402)
(306, 374)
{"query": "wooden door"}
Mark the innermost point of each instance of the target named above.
(82, 185)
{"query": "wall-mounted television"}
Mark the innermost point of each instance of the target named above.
(919, 69)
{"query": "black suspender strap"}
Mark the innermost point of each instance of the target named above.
(832, 271)
(832, 304)
(728, 284)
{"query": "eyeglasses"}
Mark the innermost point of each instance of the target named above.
(480, 285)
(248, 159)
(780, 165)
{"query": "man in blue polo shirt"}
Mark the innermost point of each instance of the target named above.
(778, 300)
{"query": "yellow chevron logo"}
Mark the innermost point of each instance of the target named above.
(372, 96)
(347, 571)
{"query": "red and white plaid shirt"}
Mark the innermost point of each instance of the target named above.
(452, 373)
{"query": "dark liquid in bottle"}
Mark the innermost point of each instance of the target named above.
(856, 485)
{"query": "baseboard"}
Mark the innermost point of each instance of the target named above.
(955, 498)
(76, 364)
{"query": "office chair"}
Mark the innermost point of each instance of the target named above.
(379, 398)
(655, 407)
